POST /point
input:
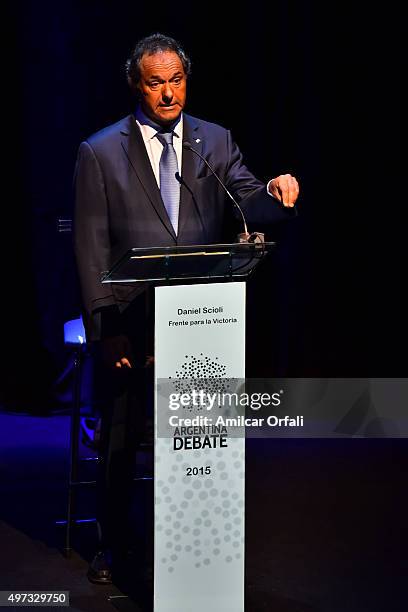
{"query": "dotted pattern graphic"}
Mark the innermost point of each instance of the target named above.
(210, 373)
(201, 516)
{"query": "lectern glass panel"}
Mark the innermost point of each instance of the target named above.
(187, 262)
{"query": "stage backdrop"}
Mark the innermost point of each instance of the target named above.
(307, 88)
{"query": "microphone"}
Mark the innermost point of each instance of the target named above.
(245, 236)
(180, 180)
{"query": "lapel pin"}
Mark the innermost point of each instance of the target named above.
(197, 140)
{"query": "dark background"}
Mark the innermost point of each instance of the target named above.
(307, 88)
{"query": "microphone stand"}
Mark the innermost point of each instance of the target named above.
(245, 236)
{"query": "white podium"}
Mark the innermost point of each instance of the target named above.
(199, 470)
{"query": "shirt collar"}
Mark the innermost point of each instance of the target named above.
(151, 128)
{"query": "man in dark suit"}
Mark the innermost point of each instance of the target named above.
(137, 186)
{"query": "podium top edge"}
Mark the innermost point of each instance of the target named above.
(196, 247)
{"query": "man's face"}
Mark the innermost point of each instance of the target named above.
(162, 86)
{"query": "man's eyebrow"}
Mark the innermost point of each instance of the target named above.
(156, 77)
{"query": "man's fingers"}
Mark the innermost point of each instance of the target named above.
(286, 188)
(293, 190)
(289, 189)
(123, 362)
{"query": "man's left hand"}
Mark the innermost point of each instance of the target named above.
(284, 188)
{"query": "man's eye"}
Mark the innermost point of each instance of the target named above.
(154, 85)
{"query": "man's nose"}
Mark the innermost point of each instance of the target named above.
(167, 93)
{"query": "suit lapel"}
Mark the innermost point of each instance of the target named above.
(190, 168)
(134, 147)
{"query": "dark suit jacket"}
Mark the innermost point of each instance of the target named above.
(118, 203)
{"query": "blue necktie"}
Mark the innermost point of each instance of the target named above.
(169, 185)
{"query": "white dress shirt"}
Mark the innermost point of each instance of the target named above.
(153, 145)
